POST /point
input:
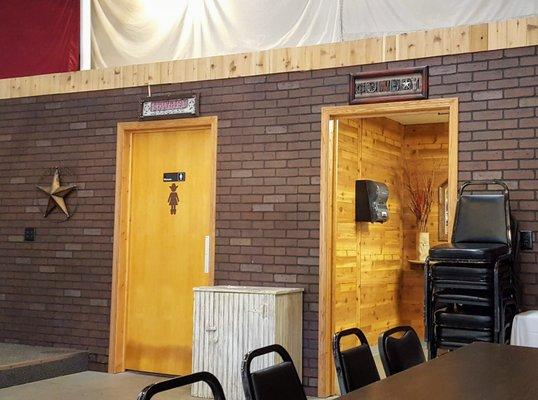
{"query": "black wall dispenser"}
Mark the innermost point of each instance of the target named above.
(371, 201)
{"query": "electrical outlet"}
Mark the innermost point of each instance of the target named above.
(525, 239)
(29, 234)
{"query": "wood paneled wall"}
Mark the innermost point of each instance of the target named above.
(373, 285)
(368, 256)
(381, 245)
(426, 150)
(405, 46)
(346, 272)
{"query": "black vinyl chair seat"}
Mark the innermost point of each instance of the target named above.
(478, 297)
(463, 320)
(455, 273)
(355, 367)
(277, 382)
(485, 252)
(464, 335)
(467, 272)
(481, 218)
(400, 353)
(355, 359)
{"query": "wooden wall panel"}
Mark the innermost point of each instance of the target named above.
(455, 40)
(425, 149)
(345, 272)
(368, 256)
(374, 286)
(381, 245)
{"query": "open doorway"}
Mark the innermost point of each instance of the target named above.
(369, 276)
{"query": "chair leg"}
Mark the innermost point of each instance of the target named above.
(432, 350)
(496, 304)
(426, 301)
(429, 308)
(503, 327)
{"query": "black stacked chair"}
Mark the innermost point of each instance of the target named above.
(471, 288)
(355, 367)
(400, 349)
(149, 391)
(277, 382)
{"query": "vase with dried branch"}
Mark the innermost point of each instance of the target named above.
(420, 190)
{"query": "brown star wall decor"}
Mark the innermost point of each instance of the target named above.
(57, 193)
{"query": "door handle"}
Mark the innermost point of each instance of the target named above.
(207, 246)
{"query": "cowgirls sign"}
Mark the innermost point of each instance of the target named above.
(178, 106)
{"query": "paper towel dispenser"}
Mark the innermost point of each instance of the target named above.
(371, 201)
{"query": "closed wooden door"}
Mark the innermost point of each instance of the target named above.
(169, 247)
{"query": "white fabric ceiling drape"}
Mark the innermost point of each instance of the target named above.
(142, 31)
(371, 18)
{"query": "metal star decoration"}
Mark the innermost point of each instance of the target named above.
(57, 194)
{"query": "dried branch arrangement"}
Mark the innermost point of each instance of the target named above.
(421, 191)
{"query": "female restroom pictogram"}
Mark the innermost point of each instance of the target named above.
(173, 198)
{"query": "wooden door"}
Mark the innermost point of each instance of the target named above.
(169, 250)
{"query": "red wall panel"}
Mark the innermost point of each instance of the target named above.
(39, 37)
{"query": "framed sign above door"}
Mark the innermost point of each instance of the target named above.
(165, 107)
(389, 85)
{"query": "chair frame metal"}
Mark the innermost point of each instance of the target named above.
(149, 391)
(338, 359)
(382, 345)
(248, 385)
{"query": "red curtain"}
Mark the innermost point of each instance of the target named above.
(39, 37)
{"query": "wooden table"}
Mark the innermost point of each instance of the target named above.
(480, 371)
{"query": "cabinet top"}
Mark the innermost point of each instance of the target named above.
(248, 289)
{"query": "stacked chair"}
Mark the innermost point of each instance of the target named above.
(471, 288)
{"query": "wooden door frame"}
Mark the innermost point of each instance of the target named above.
(125, 132)
(326, 372)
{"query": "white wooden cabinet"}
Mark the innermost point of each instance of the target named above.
(230, 321)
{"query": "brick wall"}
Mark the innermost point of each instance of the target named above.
(56, 290)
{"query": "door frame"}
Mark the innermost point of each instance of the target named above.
(326, 373)
(125, 133)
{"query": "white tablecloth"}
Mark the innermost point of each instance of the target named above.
(525, 329)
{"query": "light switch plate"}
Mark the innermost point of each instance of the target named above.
(525, 240)
(29, 234)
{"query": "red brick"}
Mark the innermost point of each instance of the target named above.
(488, 95)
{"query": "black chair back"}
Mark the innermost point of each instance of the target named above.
(149, 391)
(355, 367)
(399, 354)
(482, 218)
(277, 382)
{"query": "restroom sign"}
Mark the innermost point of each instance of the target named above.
(174, 177)
(159, 107)
(389, 85)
